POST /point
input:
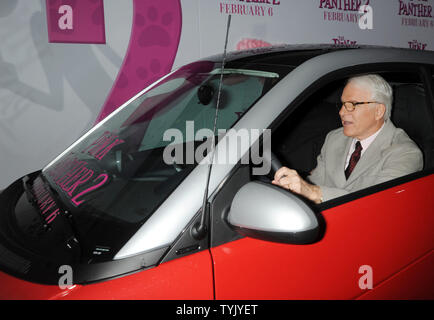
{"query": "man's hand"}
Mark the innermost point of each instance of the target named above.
(290, 180)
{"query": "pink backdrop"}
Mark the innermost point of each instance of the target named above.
(152, 49)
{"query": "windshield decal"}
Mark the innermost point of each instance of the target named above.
(104, 178)
(101, 146)
(72, 174)
(44, 201)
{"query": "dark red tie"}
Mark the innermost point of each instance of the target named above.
(354, 159)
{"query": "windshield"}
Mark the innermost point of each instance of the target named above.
(114, 177)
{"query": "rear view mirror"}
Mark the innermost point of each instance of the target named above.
(205, 93)
(267, 212)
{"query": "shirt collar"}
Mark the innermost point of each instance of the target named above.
(367, 141)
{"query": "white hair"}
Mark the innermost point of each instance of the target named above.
(381, 91)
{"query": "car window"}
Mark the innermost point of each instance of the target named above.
(299, 139)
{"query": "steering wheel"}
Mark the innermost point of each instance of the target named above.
(276, 164)
(121, 159)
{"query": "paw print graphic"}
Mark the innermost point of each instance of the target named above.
(153, 46)
(155, 34)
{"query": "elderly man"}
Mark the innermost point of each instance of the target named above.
(368, 149)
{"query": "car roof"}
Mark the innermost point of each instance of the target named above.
(293, 55)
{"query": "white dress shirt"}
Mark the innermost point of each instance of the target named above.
(365, 144)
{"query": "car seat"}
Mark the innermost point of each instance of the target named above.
(410, 112)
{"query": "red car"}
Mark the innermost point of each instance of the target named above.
(109, 219)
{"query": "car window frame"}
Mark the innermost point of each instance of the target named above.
(423, 70)
(420, 68)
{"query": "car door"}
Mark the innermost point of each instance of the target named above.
(376, 243)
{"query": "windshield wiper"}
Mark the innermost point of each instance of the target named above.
(32, 201)
(247, 72)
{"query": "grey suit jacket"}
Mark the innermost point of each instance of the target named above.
(392, 154)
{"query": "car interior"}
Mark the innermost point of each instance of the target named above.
(411, 113)
(298, 140)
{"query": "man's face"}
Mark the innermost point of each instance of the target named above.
(364, 120)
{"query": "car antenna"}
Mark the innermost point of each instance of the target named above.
(199, 229)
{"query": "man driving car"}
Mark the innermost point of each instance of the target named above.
(367, 150)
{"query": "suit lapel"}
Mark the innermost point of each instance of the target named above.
(340, 154)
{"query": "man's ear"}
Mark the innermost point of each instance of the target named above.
(380, 110)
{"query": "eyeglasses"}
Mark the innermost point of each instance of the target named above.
(350, 106)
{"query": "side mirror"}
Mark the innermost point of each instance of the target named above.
(268, 212)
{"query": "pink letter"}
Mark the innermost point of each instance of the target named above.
(82, 180)
(65, 186)
(52, 216)
(104, 177)
(101, 154)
